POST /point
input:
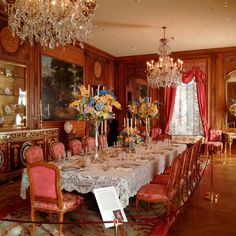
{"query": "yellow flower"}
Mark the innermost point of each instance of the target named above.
(83, 91)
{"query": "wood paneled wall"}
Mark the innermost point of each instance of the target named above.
(215, 63)
(116, 72)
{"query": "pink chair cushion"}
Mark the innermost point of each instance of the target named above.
(69, 201)
(102, 140)
(215, 144)
(57, 150)
(215, 135)
(161, 179)
(33, 154)
(75, 146)
(42, 178)
(156, 132)
(90, 143)
(152, 192)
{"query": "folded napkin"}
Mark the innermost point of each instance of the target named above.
(124, 168)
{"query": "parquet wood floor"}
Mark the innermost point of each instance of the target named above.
(205, 218)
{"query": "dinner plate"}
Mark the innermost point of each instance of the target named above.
(7, 109)
(7, 91)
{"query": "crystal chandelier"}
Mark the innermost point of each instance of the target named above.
(51, 22)
(165, 72)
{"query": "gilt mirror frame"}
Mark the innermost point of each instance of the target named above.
(230, 93)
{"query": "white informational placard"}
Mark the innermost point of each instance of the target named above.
(109, 205)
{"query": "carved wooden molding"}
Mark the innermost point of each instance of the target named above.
(229, 65)
(9, 43)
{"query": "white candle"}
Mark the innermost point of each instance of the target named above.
(32, 107)
(40, 108)
(98, 89)
(103, 87)
(92, 91)
(150, 99)
(131, 122)
(89, 88)
(48, 110)
(124, 122)
(127, 123)
(135, 122)
(102, 127)
(105, 127)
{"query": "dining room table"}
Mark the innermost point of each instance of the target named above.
(119, 167)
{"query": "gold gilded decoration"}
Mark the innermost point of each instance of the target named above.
(97, 69)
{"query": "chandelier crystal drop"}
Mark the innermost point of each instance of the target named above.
(52, 23)
(165, 72)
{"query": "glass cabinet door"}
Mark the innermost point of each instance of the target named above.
(12, 96)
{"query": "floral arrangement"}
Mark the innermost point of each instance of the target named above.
(97, 107)
(129, 135)
(232, 108)
(144, 108)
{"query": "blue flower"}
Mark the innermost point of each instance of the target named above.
(146, 99)
(99, 106)
(91, 101)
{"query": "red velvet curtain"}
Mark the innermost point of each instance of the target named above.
(169, 106)
(201, 94)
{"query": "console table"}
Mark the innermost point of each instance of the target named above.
(230, 135)
(13, 145)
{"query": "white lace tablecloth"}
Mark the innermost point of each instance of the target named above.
(126, 176)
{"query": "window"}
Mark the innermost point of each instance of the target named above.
(186, 119)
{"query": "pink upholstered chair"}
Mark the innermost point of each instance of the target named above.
(90, 143)
(102, 141)
(75, 146)
(215, 140)
(46, 194)
(57, 150)
(34, 154)
(166, 194)
(156, 132)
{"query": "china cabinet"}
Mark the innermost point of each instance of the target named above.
(13, 145)
(12, 96)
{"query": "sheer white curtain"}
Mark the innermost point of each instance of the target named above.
(186, 119)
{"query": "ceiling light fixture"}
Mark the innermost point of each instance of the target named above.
(165, 72)
(52, 23)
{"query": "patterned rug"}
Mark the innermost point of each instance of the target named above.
(20, 210)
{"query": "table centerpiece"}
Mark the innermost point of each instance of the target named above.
(129, 137)
(94, 107)
(145, 109)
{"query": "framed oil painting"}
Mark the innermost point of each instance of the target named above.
(60, 80)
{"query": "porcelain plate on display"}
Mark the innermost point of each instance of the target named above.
(7, 91)
(68, 127)
(7, 109)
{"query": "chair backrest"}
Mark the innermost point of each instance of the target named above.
(215, 135)
(44, 180)
(155, 132)
(34, 154)
(90, 142)
(173, 174)
(102, 141)
(75, 146)
(57, 150)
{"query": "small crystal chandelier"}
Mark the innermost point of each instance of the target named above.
(51, 22)
(165, 72)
